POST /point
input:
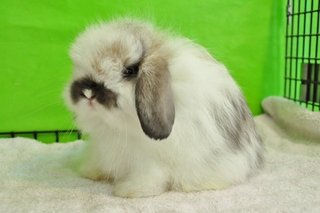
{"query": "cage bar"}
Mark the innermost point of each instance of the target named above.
(35, 134)
(302, 70)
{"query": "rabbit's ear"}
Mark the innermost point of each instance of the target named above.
(154, 98)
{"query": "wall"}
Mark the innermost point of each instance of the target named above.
(35, 37)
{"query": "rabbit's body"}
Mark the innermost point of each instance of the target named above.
(211, 143)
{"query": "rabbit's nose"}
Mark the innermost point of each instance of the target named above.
(88, 94)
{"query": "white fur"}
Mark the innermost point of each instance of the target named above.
(194, 157)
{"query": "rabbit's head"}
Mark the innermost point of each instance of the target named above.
(120, 73)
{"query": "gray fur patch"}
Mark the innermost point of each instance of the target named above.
(234, 120)
(236, 124)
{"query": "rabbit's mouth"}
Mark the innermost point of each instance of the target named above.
(93, 92)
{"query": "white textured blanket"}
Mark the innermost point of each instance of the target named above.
(35, 177)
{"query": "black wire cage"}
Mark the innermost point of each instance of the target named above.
(49, 136)
(302, 53)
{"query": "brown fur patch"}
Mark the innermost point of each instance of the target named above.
(118, 50)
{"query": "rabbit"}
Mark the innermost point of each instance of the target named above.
(160, 112)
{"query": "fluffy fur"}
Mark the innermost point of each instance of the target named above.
(180, 124)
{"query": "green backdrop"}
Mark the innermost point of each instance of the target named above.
(35, 37)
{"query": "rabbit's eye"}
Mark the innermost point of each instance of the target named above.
(131, 71)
